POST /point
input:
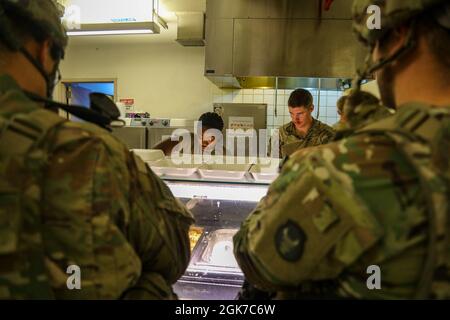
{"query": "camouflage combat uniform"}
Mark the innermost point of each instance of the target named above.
(359, 116)
(379, 197)
(340, 125)
(291, 140)
(71, 194)
(376, 201)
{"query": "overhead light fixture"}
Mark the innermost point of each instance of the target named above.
(97, 29)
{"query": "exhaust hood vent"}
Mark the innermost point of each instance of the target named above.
(288, 83)
(251, 43)
(191, 29)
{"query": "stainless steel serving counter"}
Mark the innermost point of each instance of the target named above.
(219, 207)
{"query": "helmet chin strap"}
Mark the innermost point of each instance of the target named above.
(370, 67)
(48, 78)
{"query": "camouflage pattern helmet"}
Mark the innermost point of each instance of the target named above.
(44, 15)
(393, 14)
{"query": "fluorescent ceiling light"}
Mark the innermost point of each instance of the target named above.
(107, 32)
(115, 29)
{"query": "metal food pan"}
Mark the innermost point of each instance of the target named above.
(219, 250)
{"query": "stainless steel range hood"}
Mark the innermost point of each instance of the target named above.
(250, 43)
(191, 29)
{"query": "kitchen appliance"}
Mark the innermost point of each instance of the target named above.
(162, 129)
(144, 133)
(244, 116)
(132, 137)
(151, 123)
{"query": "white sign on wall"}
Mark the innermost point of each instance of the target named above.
(107, 11)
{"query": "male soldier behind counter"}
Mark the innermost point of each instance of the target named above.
(70, 193)
(374, 204)
(303, 131)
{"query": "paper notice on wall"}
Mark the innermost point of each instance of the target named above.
(127, 102)
(126, 106)
(243, 123)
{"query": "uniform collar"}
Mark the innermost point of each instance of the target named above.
(293, 131)
(7, 83)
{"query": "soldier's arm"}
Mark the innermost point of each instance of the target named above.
(166, 146)
(158, 230)
(309, 227)
(111, 217)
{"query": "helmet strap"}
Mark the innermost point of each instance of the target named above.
(49, 78)
(370, 67)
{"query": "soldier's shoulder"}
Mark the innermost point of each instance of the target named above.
(75, 133)
(348, 153)
(286, 127)
(315, 197)
(409, 117)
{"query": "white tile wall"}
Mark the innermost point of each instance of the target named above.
(327, 105)
(269, 99)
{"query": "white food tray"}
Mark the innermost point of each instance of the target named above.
(149, 155)
(266, 170)
(168, 168)
(224, 171)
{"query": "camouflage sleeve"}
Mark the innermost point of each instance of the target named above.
(108, 214)
(158, 232)
(309, 227)
(327, 135)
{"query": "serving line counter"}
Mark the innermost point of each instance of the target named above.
(220, 196)
(219, 209)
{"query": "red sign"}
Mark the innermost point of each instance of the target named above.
(328, 4)
(127, 102)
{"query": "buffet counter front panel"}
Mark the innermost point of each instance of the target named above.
(219, 209)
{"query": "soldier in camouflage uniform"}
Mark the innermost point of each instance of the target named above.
(359, 108)
(340, 110)
(303, 131)
(378, 198)
(70, 193)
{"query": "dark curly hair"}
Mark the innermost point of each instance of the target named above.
(211, 120)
